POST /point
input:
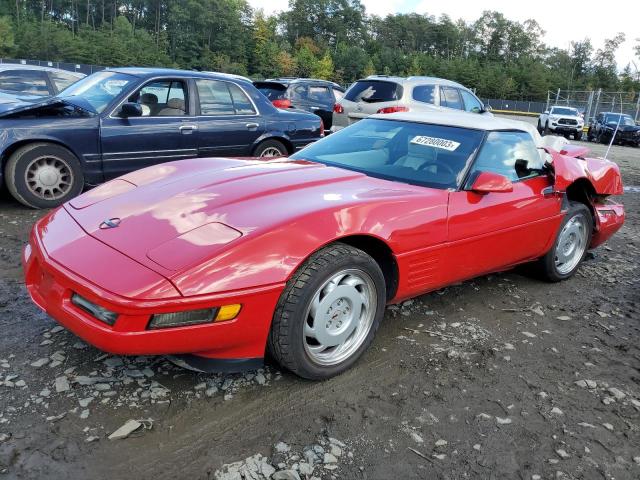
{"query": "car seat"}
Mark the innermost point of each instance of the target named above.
(175, 107)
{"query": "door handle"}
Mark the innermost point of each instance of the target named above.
(252, 126)
(186, 129)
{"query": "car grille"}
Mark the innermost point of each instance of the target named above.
(567, 121)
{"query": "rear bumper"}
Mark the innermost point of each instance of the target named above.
(51, 286)
(609, 219)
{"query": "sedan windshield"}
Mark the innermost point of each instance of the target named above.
(564, 111)
(99, 89)
(624, 119)
(421, 154)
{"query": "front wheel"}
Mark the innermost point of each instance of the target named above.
(328, 313)
(270, 148)
(571, 244)
(43, 175)
(546, 129)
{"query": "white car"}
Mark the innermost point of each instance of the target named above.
(563, 120)
(385, 94)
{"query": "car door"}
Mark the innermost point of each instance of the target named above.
(166, 130)
(488, 232)
(228, 121)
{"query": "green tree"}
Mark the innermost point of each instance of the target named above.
(324, 68)
(6, 36)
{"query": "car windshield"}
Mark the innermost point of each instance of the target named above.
(372, 91)
(420, 154)
(564, 111)
(624, 119)
(99, 89)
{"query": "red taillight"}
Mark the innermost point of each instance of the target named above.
(282, 103)
(393, 109)
(321, 128)
(337, 108)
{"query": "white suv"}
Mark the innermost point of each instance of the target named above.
(384, 94)
(563, 120)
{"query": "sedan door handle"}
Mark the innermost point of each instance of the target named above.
(188, 128)
(252, 126)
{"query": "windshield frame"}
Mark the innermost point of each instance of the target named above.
(70, 93)
(463, 174)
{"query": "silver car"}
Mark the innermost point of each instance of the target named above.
(385, 94)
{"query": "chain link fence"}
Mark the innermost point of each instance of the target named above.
(72, 67)
(588, 102)
(594, 102)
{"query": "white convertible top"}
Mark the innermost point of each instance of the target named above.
(454, 118)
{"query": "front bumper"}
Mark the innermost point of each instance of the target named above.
(609, 218)
(562, 128)
(51, 286)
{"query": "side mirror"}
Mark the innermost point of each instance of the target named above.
(131, 109)
(546, 112)
(487, 182)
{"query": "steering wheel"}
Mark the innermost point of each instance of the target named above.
(438, 164)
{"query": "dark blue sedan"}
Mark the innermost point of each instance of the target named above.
(119, 120)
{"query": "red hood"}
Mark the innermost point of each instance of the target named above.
(175, 215)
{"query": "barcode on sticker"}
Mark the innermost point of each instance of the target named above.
(442, 143)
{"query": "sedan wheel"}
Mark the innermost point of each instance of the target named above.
(270, 149)
(328, 313)
(43, 175)
(339, 317)
(49, 178)
(571, 244)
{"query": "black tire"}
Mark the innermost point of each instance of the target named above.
(590, 137)
(263, 149)
(286, 339)
(546, 129)
(547, 265)
(577, 136)
(61, 159)
(539, 128)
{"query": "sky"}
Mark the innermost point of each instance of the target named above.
(562, 21)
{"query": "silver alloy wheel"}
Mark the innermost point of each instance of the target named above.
(339, 317)
(271, 152)
(572, 243)
(48, 177)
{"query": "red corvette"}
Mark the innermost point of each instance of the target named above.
(216, 261)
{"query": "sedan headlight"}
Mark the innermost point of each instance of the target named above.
(93, 309)
(194, 317)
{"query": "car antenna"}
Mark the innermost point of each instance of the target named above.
(615, 132)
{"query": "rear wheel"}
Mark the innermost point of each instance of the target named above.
(43, 175)
(571, 244)
(328, 313)
(270, 148)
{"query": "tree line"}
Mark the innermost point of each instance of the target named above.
(331, 39)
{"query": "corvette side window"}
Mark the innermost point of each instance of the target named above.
(512, 154)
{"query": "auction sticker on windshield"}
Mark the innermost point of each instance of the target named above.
(441, 143)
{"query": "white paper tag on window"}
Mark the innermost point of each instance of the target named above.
(441, 143)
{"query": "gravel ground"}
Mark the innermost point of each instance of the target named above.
(500, 377)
